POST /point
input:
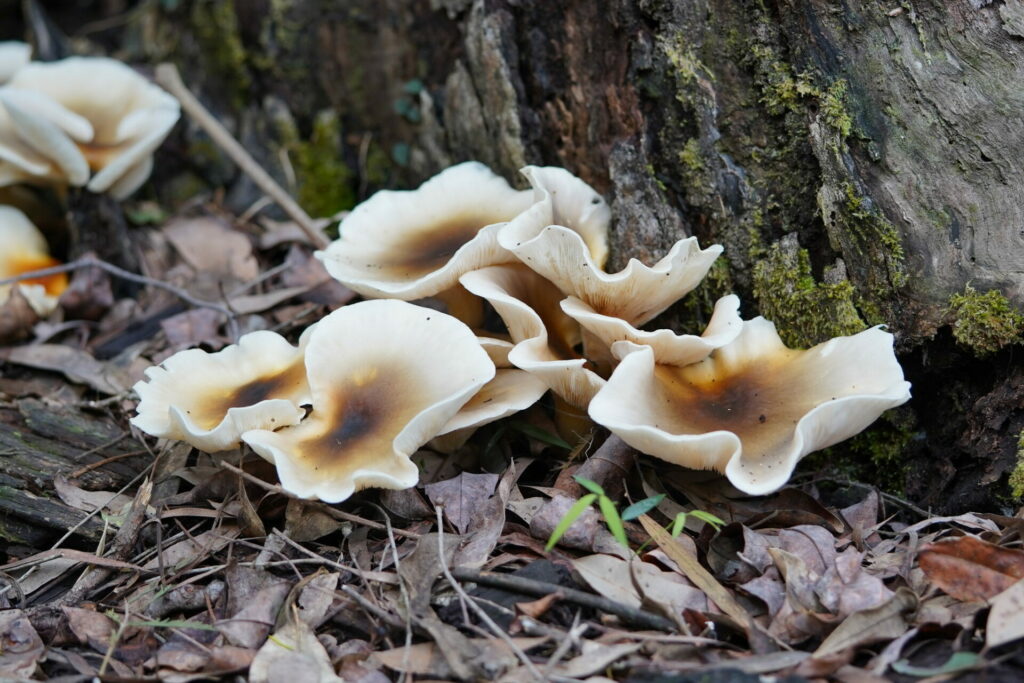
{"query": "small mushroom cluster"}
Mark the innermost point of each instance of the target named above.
(385, 377)
(82, 121)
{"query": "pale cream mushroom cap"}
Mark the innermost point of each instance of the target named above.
(753, 408)
(386, 376)
(414, 244)
(544, 336)
(13, 56)
(497, 350)
(210, 399)
(22, 250)
(669, 348)
(636, 293)
(508, 393)
(560, 198)
(85, 115)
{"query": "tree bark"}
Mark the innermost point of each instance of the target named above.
(861, 163)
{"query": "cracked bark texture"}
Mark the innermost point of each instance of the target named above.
(875, 146)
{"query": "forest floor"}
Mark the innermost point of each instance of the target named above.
(130, 559)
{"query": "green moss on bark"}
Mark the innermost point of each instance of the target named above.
(985, 322)
(1017, 476)
(215, 25)
(805, 311)
(325, 182)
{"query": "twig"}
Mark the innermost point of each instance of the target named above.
(121, 547)
(480, 613)
(105, 461)
(519, 584)
(167, 75)
(326, 509)
(93, 262)
(404, 591)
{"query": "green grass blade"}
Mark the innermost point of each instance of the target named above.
(589, 485)
(571, 516)
(642, 507)
(612, 519)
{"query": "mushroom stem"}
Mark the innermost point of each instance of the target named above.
(167, 76)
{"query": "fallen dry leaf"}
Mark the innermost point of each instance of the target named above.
(192, 328)
(610, 576)
(702, 579)
(882, 623)
(462, 497)
(209, 246)
(87, 501)
(90, 627)
(191, 549)
(20, 646)
(16, 317)
(969, 568)
(316, 597)
(292, 654)
(1006, 618)
(78, 366)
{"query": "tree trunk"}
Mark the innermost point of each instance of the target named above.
(860, 162)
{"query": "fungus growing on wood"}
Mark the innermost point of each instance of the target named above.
(210, 399)
(23, 249)
(88, 121)
(753, 408)
(414, 244)
(545, 338)
(13, 56)
(669, 348)
(385, 376)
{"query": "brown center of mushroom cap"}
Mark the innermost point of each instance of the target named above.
(755, 400)
(431, 247)
(287, 384)
(357, 430)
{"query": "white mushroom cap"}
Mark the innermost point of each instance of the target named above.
(669, 348)
(210, 399)
(544, 336)
(497, 350)
(13, 56)
(386, 376)
(414, 244)
(560, 198)
(23, 249)
(82, 115)
(753, 408)
(509, 392)
(636, 294)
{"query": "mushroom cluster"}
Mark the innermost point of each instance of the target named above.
(384, 377)
(82, 121)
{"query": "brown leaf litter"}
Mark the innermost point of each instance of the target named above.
(132, 559)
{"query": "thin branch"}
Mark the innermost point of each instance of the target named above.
(167, 75)
(321, 507)
(93, 262)
(520, 584)
(479, 611)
